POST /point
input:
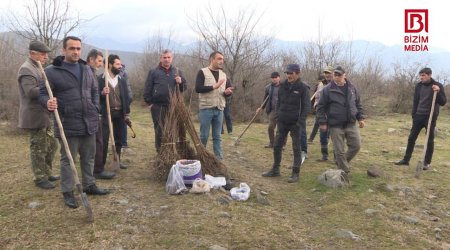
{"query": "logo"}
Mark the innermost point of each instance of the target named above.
(416, 29)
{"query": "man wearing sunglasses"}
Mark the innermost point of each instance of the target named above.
(338, 110)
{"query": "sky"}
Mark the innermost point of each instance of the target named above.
(380, 20)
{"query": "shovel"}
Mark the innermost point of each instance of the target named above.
(83, 195)
(421, 163)
(115, 164)
(238, 140)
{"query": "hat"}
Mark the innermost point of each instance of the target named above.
(274, 74)
(39, 46)
(339, 70)
(292, 68)
(328, 69)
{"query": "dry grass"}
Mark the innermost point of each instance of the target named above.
(140, 215)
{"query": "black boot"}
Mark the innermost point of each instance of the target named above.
(295, 175)
(324, 154)
(69, 200)
(274, 172)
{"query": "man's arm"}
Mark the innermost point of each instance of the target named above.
(148, 92)
(29, 86)
(322, 107)
(183, 85)
(441, 99)
(305, 106)
(200, 83)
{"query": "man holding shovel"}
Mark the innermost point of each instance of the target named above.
(422, 103)
(76, 99)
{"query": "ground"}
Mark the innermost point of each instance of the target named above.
(138, 214)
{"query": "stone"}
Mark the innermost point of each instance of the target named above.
(262, 199)
(435, 218)
(374, 172)
(225, 215)
(264, 192)
(381, 206)
(410, 220)
(391, 130)
(384, 187)
(123, 202)
(332, 178)
(163, 207)
(370, 190)
(216, 247)
(34, 205)
(370, 211)
(223, 201)
(347, 234)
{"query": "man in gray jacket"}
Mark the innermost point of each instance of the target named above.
(34, 118)
(338, 109)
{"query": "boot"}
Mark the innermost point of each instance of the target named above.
(324, 154)
(274, 172)
(295, 175)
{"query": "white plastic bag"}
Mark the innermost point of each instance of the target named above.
(175, 183)
(200, 186)
(242, 193)
(215, 182)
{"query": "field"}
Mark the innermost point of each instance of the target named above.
(397, 211)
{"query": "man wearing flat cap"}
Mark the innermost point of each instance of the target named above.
(338, 110)
(292, 108)
(34, 118)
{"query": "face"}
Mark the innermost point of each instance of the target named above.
(96, 63)
(275, 80)
(328, 76)
(166, 60)
(72, 51)
(116, 67)
(338, 77)
(424, 77)
(39, 56)
(292, 76)
(217, 62)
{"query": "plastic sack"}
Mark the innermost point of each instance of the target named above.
(215, 182)
(241, 193)
(175, 183)
(190, 170)
(200, 186)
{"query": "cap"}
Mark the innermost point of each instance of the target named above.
(274, 74)
(328, 69)
(292, 68)
(39, 46)
(339, 70)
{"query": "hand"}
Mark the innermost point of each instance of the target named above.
(127, 120)
(105, 90)
(52, 104)
(229, 91)
(178, 79)
(150, 106)
(219, 83)
(362, 123)
(436, 88)
(258, 110)
(323, 127)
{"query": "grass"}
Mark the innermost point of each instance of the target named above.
(138, 214)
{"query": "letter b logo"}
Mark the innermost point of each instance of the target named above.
(416, 20)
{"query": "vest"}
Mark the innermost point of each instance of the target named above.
(214, 98)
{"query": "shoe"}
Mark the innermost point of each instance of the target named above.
(268, 146)
(123, 166)
(293, 178)
(271, 173)
(69, 200)
(53, 177)
(45, 184)
(323, 159)
(427, 167)
(105, 175)
(94, 190)
(402, 162)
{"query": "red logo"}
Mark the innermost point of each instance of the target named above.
(416, 20)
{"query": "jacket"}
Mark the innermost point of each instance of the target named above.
(268, 104)
(293, 103)
(31, 114)
(441, 99)
(124, 95)
(78, 103)
(160, 83)
(338, 110)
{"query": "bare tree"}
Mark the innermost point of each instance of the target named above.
(46, 20)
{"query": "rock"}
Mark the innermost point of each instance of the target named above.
(435, 218)
(223, 201)
(381, 206)
(264, 192)
(123, 202)
(374, 172)
(384, 151)
(34, 205)
(410, 220)
(437, 234)
(164, 207)
(346, 234)
(431, 197)
(401, 194)
(384, 187)
(391, 130)
(332, 178)
(216, 247)
(370, 211)
(224, 215)
(262, 199)
(370, 190)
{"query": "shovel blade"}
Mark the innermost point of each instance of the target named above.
(86, 204)
(237, 142)
(419, 168)
(115, 166)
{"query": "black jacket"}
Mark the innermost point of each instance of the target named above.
(441, 99)
(160, 83)
(124, 95)
(336, 109)
(78, 103)
(293, 103)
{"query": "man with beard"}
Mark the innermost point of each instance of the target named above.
(292, 109)
(76, 99)
(119, 99)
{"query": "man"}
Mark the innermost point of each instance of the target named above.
(338, 110)
(423, 97)
(95, 61)
(119, 103)
(161, 82)
(210, 84)
(327, 78)
(34, 118)
(76, 99)
(271, 92)
(292, 109)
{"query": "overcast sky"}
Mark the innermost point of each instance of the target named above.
(376, 20)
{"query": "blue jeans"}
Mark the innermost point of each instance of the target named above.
(211, 118)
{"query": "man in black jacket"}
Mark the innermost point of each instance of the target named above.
(338, 109)
(292, 109)
(423, 96)
(161, 81)
(73, 85)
